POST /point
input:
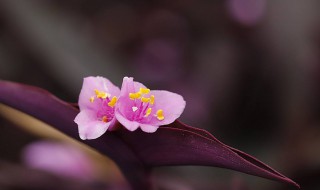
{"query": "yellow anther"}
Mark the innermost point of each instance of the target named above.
(113, 101)
(160, 115)
(105, 119)
(145, 100)
(152, 99)
(133, 96)
(101, 94)
(148, 112)
(91, 99)
(144, 90)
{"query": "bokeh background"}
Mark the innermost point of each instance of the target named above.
(248, 69)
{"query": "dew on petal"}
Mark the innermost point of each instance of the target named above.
(134, 108)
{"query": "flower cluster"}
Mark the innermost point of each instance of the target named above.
(102, 103)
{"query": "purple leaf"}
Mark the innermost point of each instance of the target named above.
(179, 144)
(137, 152)
(59, 114)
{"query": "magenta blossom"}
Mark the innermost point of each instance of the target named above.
(140, 106)
(97, 101)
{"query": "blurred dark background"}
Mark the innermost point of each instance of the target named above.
(248, 69)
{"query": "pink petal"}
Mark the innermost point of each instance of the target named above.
(128, 85)
(138, 85)
(88, 125)
(172, 105)
(85, 116)
(125, 104)
(130, 125)
(148, 128)
(87, 91)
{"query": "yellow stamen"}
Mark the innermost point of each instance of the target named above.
(148, 112)
(160, 115)
(105, 119)
(133, 96)
(101, 94)
(144, 90)
(113, 101)
(145, 100)
(152, 99)
(91, 99)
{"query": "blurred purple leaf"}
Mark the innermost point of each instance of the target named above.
(13, 176)
(68, 160)
(59, 114)
(137, 152)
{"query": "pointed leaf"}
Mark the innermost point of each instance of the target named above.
(136, 152)
(59, 114)
(179, 144)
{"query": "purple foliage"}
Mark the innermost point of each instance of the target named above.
(137, 152)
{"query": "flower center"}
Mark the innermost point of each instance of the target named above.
(143, 105)
(106, 105)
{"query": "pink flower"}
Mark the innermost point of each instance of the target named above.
(141, 107)
(97, 101)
